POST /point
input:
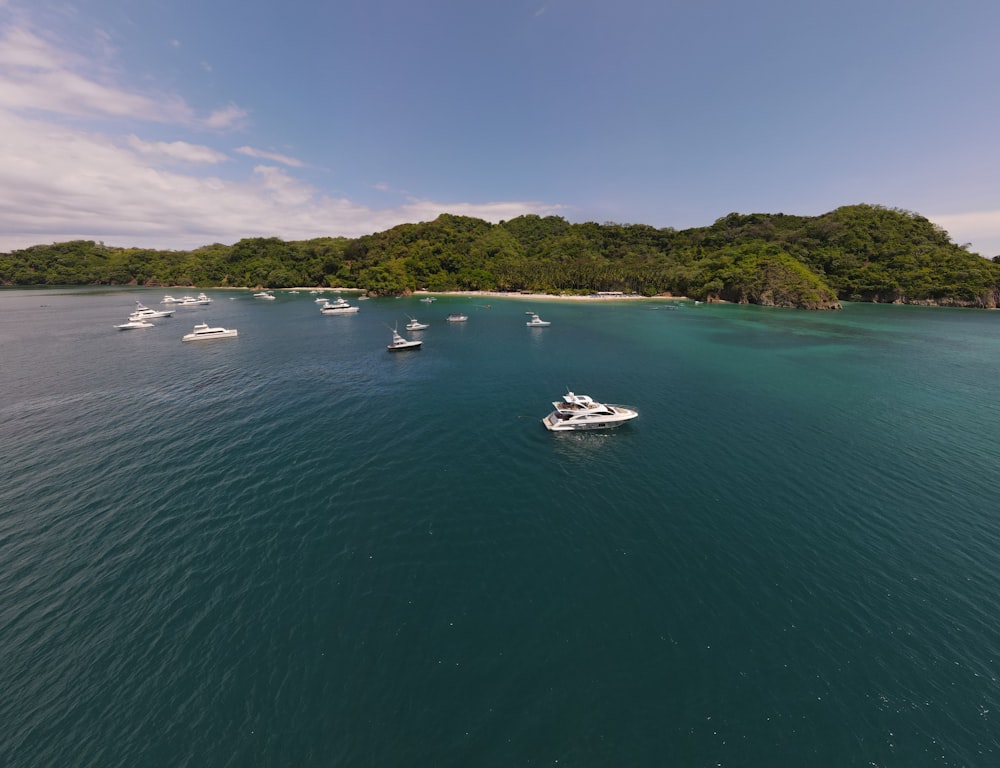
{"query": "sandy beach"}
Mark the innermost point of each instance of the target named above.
(547, 296)
(469, 294)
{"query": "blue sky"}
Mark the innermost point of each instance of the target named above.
(179, 123)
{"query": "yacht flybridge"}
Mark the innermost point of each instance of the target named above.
(579, 412)
(536, 321)
(338, 307)
(399, 343)
(416, 325)
(202, 331)
(142, 312)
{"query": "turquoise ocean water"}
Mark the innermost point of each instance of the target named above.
(295, 548)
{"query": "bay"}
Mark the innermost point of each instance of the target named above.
(296, 548)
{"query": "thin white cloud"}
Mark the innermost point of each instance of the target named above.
(21, 48)
(979, 228)
(60, 183)
(62, 178)
(228, 117)
(273, 156)
(39, 76)
(176, 150)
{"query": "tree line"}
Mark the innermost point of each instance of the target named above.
(856, 253)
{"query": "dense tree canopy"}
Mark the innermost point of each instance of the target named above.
(858, 252)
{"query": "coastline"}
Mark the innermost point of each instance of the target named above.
(467, 294)
(547, 296)
(542, 296)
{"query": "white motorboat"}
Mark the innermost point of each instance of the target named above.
(579, 412)
(266, 295)
(203, 331)
(203, 299)
(170, 300)
(142, 312)
(131, 325)
(536, 321)
(337, 307)
(399, 343)
(428, 299)
(416, 325)
(457, 317)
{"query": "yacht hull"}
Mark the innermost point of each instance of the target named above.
(555, 423)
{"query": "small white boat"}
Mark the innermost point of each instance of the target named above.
(416, 325)
(321, 299)
(170, 300)
(580, 412)
(202, 331)
(203, 299)
(536, 321)
(133, 324)
(267, 295)
(142, 312)
(457, 317)
(399, 343)
(428, 299)
(337, 307)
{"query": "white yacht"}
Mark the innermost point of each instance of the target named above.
(579, 412)
(203, 331)
(131, 325)
(416, 325)
(457, 317)
(536, 321)
(203, 299)
(399, 343)
(267, 295)
(428, 299)
(337, 307)
(142, 312)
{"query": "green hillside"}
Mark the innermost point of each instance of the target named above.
(856, 253)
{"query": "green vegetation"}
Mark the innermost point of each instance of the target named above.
(857, 253)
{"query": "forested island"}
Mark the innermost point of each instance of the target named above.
(854, 253)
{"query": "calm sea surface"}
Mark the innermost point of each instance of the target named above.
(297, 549)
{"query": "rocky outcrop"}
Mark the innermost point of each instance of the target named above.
(777, 280)
(987, 300)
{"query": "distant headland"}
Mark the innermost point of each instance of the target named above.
(854, 253)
